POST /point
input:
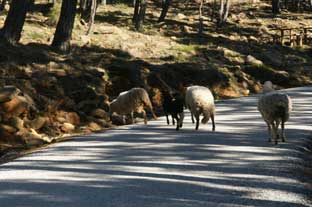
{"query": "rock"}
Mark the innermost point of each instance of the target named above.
(252, 60)
(100, 113)
(67, 127)
(61, 119)
(51, 65)
(33, 139)
(234, 37)
(10, 138)
(282, 73)
(7, 93)
(181, 16)
(252, 39)
(8, 128)
(38, 122)
(94, 126)
(173, 38)
(237, 60)
(103, 123)
(60, 72)
(228, 52)
(17, 123)
(118, 120)
(72, 118)
(14, 107)
(244, 39)
(106, 29)
(187, 29)
(242, 15)
(263, 30)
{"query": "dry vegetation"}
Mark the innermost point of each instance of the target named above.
(65, 90)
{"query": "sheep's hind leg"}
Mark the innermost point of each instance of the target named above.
(167, 119)
(192, 116)
(270, 132)
(197, 122)
(213, 123)
(132, 117)
(144, 115)
(178, 121)
(181, 115)
(283, 132)
(275, 132)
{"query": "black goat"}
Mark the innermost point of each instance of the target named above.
(173, 105)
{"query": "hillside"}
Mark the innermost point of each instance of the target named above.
(69, 93)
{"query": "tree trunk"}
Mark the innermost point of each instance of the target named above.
(92, 15)
(136, 10)
(275, 7)
(224, 11)
(140, 20)
(85, 9)
(65, 26)
(201, 24)
(139, 13)
(164, 11)
(14, 22)
(213, 9)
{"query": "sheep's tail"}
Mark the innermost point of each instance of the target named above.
(148, 104)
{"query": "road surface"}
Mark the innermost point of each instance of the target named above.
(156, 166)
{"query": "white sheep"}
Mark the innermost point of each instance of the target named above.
(134, 100)
(199, 100)
(275, 108)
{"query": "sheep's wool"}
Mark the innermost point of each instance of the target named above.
(133, 100)
(275, 106)
(200, 100)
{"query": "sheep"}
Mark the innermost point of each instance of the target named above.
(173, 105)
(275, 108)
(134, 100)
(199, 100)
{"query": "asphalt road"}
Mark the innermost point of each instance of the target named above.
(156, 166)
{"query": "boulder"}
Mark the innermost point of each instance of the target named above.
(93, 126)
(100, 113)
(181, 16)
(72, 118)
(17, 123)
(253, 39)
(8, 128)
(15, 107)
(67, 127)
(37, 123)
(250, 60)
(118, 120)
(7, 93)
(33, 139)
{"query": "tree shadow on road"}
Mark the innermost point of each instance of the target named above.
(155, 165)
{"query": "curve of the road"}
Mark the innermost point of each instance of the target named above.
(156, 166)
